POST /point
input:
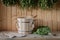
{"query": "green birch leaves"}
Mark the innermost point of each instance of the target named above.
(46, 3)
(9, 2)
(42, 30)
(30, 3)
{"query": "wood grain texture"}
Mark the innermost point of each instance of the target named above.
(14, 15)
(9, 18)
(0, 17)
(4, 17)
(49, 17)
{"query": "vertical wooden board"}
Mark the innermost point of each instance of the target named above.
(9, 18)
(0, 15)
(33, 14)
(28, 12)
(4, 18)
(0, 25)
(54, 18)
(19, 12)
(58, 19)
(14, 15)
(39, 13)
(49, 20)
(43, 17)
(24, 12)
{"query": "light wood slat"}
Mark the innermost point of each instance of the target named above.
(28, 12)
(58, 19)
(9, 18)
(4, 18)
(34, 13)
(44, 17)
(54, 19)
(14, 15)
(24, 12)
(49, 20)
(39, 17)
(0, 16)
(19, 12)
(58, 14)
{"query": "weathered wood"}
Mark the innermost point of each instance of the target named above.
(49, 17)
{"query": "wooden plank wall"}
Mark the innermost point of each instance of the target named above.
(50, 17)
(0, 16)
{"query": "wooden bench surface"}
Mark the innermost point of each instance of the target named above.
(34, 37)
